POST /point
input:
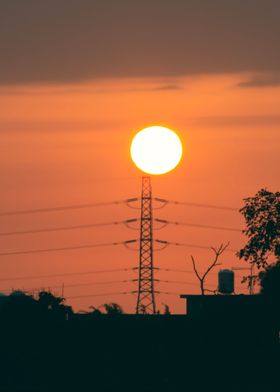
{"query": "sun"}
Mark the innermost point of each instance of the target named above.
(156, 150)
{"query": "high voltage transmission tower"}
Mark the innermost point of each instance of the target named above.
(146, 295)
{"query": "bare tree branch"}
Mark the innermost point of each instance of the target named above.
(194, 268)
(218, 251)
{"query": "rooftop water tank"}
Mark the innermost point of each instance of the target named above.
(226, 281)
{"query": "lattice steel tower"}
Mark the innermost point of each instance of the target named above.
(146, 295)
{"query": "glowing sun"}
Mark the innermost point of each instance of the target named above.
(156, 150)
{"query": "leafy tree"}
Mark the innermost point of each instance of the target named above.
(166, 310)
(262, 217)
(95, 311)
(270, 282)
(113, 308)
(49, 302)
(19, 306)
(270, 288)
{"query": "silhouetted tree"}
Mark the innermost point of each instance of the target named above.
(19, 305)
(49, 302)
(201, 277)
(113, 308)
(166, 310)
(262, 216)
(95, 311)
(270, 282)
(270, 288)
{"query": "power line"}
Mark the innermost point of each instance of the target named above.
(178, 282)
(100, 294)
(29, 289)
(125, 222)
(190, 271)
(167, 222)
(115, 202)
(185, 283)
(66, 207)
(48, 276)
(174, 270)
(95, 283)
(168, 293)
(190, 245)
(192, 283)
(88, 246)
(75, 227)
(199, 205)
(195, 284)
(25, 252)
(46, 287)
(66, 274)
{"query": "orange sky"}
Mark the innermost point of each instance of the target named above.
(69, 144)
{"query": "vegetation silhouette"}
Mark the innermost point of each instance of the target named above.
(113, 309)
(46, 346)
(262, 217)
(51, 303)
(270, 289)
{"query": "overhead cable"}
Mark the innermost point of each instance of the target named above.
(177, 282)
(67, 274)
(190, 245)
(66, 207)
(189, 271)
(100, 294)
(125, 222)
(199, 205)
(167, 222)
(191, 283)
(115, 202)
(33, 251)
(47, 287)
(169, 293)
(62, 228)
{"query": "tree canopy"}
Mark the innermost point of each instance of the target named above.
(113, 308)
(262, 217)
(269, 280)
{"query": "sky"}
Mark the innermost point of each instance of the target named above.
(77, 80)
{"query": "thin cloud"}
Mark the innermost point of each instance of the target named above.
(47, 90)
(170, 87)
(237, 121)
(76, 41)
(58, 126)
(262, 81)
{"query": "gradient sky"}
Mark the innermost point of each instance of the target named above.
(79, 78)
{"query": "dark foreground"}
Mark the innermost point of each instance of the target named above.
(144, 353)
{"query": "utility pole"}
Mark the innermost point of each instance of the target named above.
(146, 295)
